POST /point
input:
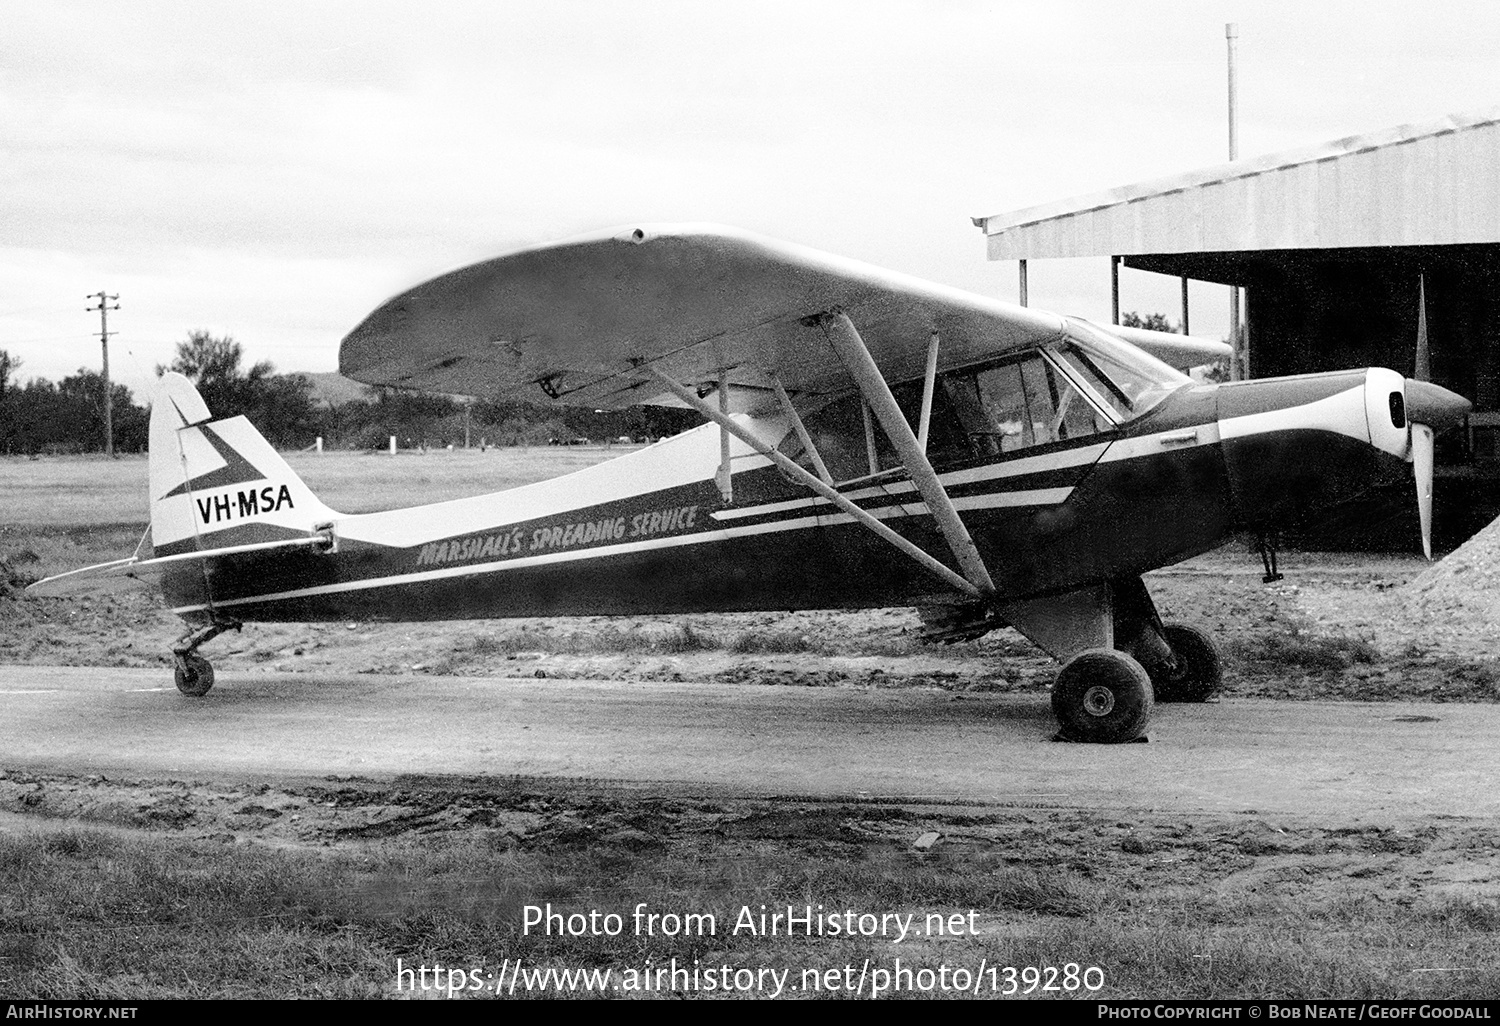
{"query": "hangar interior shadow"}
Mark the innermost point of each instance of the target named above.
(1312, 310)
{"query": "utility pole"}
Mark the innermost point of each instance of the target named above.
(1238, 358)
(104, 333)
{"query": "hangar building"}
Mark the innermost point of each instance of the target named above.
(1333, 245)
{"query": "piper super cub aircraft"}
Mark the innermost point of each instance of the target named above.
(874, 440)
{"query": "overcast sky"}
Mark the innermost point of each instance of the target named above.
(274, 171)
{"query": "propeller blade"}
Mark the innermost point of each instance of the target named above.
(1424, 353)
(1421, 460)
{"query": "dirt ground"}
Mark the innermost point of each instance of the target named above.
(1289, 857)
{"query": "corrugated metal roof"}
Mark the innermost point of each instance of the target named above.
(1431, 184)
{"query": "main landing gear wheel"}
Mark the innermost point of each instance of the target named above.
(1102, 696)
(194, 675)
(1198, 673)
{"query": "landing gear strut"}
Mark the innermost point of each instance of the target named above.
(193, 674)
(1106, 694)
(1119, 659)
(1181, 659)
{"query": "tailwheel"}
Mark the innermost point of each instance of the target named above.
(1102, 696)
(1197, 674)
(194, 675)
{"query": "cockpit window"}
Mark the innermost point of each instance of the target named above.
(1021, 403)
(977, 412)
(838, 431)
(842, 435)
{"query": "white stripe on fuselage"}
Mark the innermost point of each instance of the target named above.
(988, 472)
(1160, 442)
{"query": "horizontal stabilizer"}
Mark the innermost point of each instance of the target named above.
(106, 576)
(112, 576)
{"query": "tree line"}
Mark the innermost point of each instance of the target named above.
(68, 416)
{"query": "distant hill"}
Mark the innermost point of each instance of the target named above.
(330, 388)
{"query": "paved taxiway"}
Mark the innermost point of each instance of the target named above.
(1349, 760)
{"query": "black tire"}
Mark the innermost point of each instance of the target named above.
(194, 675)
(1199, 671)
(1102, 696)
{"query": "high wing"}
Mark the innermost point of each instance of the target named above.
(580, 321)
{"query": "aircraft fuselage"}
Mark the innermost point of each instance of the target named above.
(1049, 518)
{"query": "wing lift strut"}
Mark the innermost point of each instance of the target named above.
(974, 581)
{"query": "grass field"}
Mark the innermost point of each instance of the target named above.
(318, 890)
(163, 888)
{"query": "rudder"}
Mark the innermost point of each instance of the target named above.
(216, 483)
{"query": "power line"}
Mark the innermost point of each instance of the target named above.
(104, 333)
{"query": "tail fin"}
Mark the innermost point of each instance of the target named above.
(216, 483)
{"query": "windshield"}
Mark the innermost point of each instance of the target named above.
(1129, 380)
